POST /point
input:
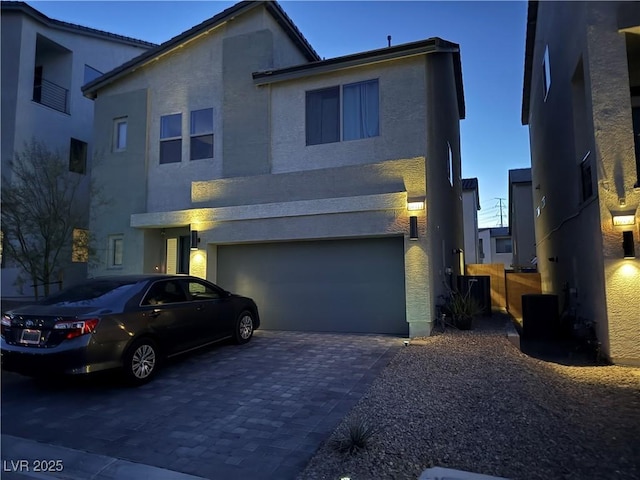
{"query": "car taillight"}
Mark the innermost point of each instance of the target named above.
(6, 322)
(76, 328)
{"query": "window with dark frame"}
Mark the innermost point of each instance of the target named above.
(78, 156)
(201, 146)
(171, 138)
(503, 245)
(360, 104)
(323, 116)
(120, 134)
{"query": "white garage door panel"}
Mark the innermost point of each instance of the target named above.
(333, 286)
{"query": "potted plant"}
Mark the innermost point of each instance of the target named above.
(463, 308)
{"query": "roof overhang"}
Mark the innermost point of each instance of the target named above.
(91, 89)
(532, 18)
(22, 7)
(407, 50)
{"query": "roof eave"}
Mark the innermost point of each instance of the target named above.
(532, 17)
(71, 27)
(90, 90)
(423, 47)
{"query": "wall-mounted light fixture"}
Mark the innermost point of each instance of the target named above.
(414, 206)
(413, 228)
(195, 240)
(624, 220)
(628, 247)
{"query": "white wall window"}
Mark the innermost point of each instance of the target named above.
(171, 138)
(115, 251)
(201, 134)
(360, 113)
(120, 134)
(360, 106)
(546, 73)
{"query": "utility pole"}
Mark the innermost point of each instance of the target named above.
(501, 206)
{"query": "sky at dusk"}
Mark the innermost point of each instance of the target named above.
(491, 37)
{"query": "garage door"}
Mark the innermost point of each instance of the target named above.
(321, 286)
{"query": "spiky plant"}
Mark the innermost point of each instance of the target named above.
(354, 435)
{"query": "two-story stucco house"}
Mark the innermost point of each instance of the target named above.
(582, 104)
(327, 190)
(45, 62)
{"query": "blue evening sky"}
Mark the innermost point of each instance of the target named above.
(491, 37)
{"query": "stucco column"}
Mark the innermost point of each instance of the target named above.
(416, 267)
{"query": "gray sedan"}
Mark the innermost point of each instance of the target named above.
(130, 322)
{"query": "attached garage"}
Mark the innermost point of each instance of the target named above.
(355, 285)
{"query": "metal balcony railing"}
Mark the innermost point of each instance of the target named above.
(51, 95)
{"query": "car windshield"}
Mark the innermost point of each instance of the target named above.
(96, 293)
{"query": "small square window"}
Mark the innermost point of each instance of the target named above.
(171, 138)
(120, 134)
(503, 245)
(201, 134)
(115, 251)
(78, 156)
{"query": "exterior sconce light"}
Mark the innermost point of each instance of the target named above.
(624, 220)
(195, 240)
(414, 206)
(628, 247)
(413, 228)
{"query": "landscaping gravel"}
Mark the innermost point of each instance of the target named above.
(472, 401)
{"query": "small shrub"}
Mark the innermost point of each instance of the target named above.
(463, 308)
(354, 436)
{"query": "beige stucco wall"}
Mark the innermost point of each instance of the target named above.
(579, 236)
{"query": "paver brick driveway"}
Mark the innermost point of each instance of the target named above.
(254, 411)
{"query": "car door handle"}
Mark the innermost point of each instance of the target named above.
(154, 313)
(199, 308)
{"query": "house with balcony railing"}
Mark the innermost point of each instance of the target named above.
(45, 62)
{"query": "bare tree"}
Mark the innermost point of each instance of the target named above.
(41, 206)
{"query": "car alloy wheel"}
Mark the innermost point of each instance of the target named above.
(244, 330)
(143, 361)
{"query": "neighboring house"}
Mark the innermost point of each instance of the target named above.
(470, 207)
(45, 62)
(521, 226)
(582, 104)
(298, 181)
(495, 246)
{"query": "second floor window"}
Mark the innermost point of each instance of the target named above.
(503, 245)
(360, 110)
(171, 138)
(201, 134)
(78, 156)
(119, 134)
(360, 113)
